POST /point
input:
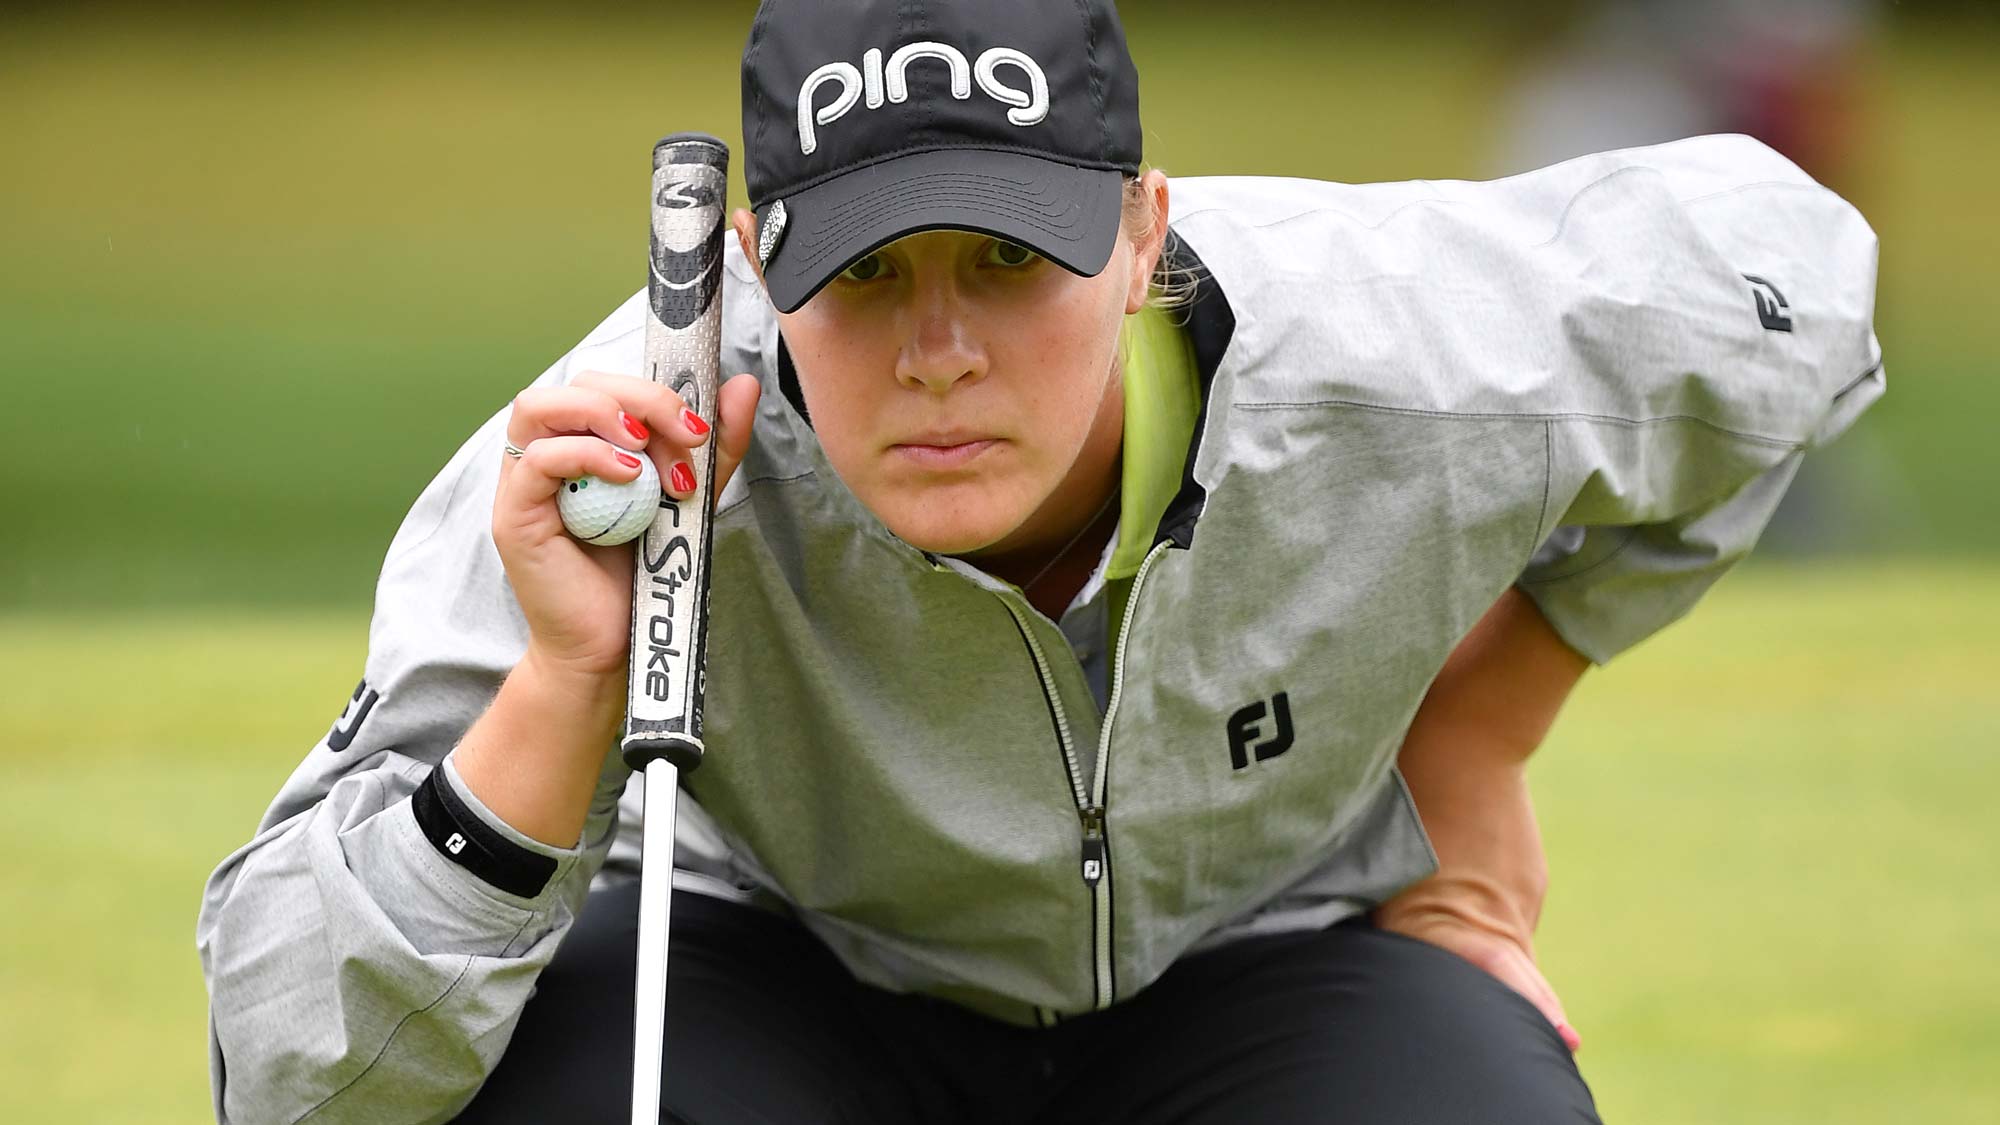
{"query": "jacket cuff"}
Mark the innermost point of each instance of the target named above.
(1605, 589)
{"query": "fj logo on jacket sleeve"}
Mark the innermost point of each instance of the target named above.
(1771, 304)
(351, 718)
(1247, 734)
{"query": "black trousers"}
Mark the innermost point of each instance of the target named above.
(1351, 1024)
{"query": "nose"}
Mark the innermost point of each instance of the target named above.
(940, 349)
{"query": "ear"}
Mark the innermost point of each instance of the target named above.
(1146, 252)
(745, 223)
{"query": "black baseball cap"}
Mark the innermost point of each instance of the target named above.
(868, 120)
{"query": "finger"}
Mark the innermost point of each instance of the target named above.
(548, 462)
(1513, 966)
(676, 468)
(735, 415)
(1519, 972)
(656, 404)
(737, 405)
(542, 412)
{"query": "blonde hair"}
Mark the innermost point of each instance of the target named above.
(1172, 288)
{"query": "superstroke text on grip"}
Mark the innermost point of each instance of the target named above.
(683, 332)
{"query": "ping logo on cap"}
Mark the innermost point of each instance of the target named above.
(878, 84)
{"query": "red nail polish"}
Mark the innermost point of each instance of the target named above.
(634, 427)
(627, 460)
(682, 477)
(693, 421)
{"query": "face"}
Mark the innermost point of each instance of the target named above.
(968, 390)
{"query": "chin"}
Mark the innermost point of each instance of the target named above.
(943, 528)
(946, 537)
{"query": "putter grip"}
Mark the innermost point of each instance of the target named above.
(683, 350)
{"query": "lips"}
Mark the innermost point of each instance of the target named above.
(944, 449)
(946, 438)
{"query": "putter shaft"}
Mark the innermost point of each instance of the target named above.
(656, 896)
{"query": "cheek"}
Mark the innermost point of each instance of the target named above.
(840, 375)
(1069, 355)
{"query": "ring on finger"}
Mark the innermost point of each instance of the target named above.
(513, 450)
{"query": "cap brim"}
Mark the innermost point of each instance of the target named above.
(1066, 214)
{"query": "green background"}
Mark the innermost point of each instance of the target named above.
(267, 269)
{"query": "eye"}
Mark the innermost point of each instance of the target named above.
(1000, 252)
(867, 268)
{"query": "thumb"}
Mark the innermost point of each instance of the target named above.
(736, 409)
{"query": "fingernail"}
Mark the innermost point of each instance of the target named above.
(627, 460)
(682, 477)
(693, 421)
(634, 427)
(1569, 1036)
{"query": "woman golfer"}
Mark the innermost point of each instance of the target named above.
(1134, 604)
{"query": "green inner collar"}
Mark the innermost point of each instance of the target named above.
(1162, 401)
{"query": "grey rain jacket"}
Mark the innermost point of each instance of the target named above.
(1594, 380)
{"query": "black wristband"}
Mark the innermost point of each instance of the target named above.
(461, 837)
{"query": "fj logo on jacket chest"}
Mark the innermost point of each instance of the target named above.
(1252, 737)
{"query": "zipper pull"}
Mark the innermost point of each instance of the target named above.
(1093, 846)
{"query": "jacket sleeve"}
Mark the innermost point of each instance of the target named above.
(369, 951)
(1721, 305)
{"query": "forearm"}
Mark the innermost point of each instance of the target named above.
(1464, 760)
(1481, 821)
(535, 756)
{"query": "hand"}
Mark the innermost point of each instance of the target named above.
(578, 598)
(1432, 918)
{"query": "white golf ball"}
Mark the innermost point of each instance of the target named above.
(606, 513)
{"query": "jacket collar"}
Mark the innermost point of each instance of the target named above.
(1210, 324)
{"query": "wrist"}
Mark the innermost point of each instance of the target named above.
(1462, 900)
(589, 694)
(535, 758)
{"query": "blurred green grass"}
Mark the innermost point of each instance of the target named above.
(268, 268)
(1770, 830)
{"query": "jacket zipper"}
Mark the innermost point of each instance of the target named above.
(1100, 784)
(1090, 810)
(1093, 866)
